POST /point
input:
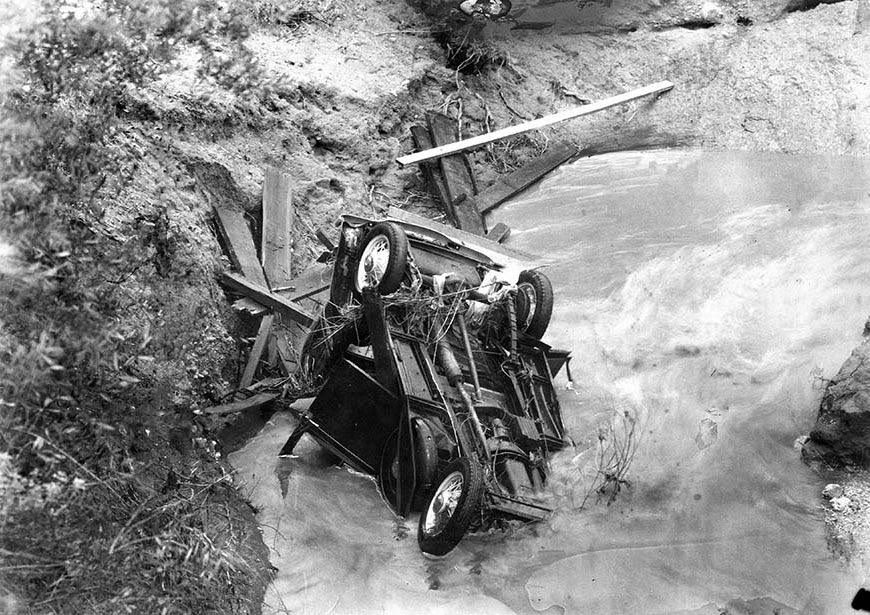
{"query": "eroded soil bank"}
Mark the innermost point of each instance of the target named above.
(338, 85)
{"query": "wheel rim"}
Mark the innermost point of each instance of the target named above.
(529, 292)
(443, 504)
(373, 263)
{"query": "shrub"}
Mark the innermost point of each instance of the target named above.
(100, 513)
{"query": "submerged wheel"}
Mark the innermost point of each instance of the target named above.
(383, 259)
(534, 302)
(451, 507)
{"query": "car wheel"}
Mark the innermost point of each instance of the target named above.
(451, 507)
(383, 259)
(534, 302)
(425, 459)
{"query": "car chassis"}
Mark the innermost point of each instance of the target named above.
(432, 377)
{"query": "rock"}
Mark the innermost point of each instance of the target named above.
(832, 491)
(799, 442)
(841, 503)
(841, 436)
(708, 431)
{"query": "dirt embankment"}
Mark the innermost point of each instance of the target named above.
(340, 85)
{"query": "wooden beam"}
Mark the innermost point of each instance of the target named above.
(516, 181)
(510, 131)
(257, 350)
(286, 351)
(246, 304)
(264, 296)
(431, 171)
(315, 279)
(456, 168)
(239, 243)
(277, 226)
(251, 403)
(458, 179)
(500, 232)
(324, 239)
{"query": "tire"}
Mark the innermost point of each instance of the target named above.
(438, 534)
(534, 303)
(425, 460)
(383, 259)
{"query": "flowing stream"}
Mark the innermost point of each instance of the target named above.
(705, 296)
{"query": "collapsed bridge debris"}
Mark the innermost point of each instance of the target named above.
(286, 306)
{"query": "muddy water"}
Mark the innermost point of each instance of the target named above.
(706, 295)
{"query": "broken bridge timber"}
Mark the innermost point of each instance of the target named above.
(286, 306)
(452, 183)
(474, 142)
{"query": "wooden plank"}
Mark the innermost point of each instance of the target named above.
(547, 120)
(323, 238)
(266, 383)
(246, 304)
(271, 353)
(456, 168)
(239, 243)
(500, 232)
(431, 171)
(257, 350)
(286, 352)
(262, 295)
(244, 405)
(467, 216)
(515, 182)
(458, 179)
(277, 226)
(315, 279)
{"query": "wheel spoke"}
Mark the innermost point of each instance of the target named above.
(373, 263)
(444, 503)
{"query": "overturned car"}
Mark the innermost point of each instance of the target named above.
(432, 376)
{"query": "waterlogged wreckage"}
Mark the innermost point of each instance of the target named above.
(433, 377)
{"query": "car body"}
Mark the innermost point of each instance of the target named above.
(428, 385)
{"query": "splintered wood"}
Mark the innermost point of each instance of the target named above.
(458, 179)
(287, 305)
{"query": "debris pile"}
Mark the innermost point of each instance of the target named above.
(286, 306)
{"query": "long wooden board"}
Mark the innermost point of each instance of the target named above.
(276, 249)
(515, 182)
(457, 175)
(264, 296)
(239, 243)
(510, 131)
(257, 350)
(239, 247)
